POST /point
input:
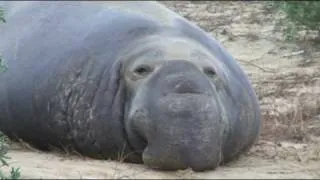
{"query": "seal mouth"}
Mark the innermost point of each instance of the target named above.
(184, 105)
(187, 97)
(185, 94)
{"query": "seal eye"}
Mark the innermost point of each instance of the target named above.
(209, 71)
(143, 70)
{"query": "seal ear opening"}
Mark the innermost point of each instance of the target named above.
(210, 72)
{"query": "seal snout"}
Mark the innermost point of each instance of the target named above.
(179, 125)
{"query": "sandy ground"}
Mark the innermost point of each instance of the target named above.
(285, 76)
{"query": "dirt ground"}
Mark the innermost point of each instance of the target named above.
(286, 77)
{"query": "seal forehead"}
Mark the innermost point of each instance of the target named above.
(161, 48)
(151, 9)
(185, 49)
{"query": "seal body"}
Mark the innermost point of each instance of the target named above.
(130, 80)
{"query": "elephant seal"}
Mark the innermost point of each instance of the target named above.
(123, 79)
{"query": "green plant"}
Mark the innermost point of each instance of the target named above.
(2, 16)
(3, 66)
(15, 172)
(298, 15)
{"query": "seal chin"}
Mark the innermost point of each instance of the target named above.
(185, 158)
(167, 164)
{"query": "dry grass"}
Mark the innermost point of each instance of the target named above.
(290, 107)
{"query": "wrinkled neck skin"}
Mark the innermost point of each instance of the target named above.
(174, 118)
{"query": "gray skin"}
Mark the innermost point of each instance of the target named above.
(130, 80)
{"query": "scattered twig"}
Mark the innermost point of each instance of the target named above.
(252, 64)
(294, 53)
